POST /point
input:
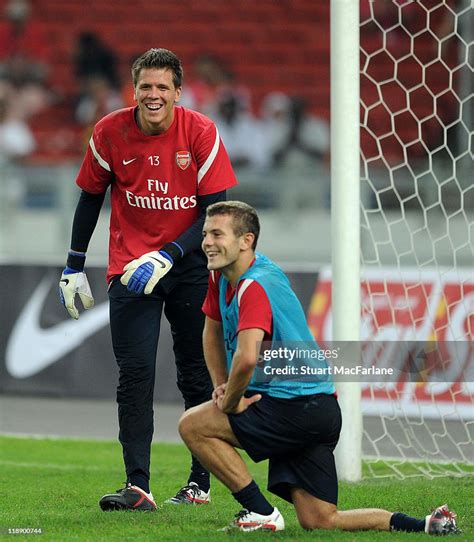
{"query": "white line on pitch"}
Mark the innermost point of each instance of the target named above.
(20, 464)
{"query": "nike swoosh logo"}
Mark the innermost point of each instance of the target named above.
(31, 348)
(66, 281)
(160, 262)
(126, 162)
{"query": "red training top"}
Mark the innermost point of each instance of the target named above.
(155, 180)
(255, 310)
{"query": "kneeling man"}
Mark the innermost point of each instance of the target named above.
(293, 422)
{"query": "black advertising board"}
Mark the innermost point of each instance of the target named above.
(44, 352)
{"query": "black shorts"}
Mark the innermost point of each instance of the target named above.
(298, 436)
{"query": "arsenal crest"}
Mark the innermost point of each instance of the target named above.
(183, 159)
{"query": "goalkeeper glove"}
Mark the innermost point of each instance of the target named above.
(144, 273)
(74, 282)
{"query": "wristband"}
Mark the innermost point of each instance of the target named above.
(172, 251)
(76, 260)
(70, 271)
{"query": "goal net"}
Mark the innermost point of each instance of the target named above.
(417, 226)
(417, 229)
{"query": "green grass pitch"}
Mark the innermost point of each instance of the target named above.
(54, 485)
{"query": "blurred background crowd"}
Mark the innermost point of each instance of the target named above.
(260, 70)
(59, 75)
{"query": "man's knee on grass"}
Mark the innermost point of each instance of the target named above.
(310, 520)
(313, 513)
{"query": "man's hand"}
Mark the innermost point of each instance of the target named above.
(242, 405)
(75, 282)
(218, 392)
(144, 273)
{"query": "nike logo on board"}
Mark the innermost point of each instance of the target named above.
(126, 162)
(31, 348)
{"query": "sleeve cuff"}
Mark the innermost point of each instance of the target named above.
(172, 251)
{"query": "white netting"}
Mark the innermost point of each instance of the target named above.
(417, 110)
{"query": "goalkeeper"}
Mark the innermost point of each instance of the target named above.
(164, 165)
(293, 422)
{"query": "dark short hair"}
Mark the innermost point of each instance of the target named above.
(158, 58)
(244, 217)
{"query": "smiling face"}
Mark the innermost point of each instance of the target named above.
(156, 95)
(226, 251)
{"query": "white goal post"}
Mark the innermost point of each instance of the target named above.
(402, 215)
(345, 223)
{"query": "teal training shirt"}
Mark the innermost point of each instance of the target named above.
(297, 367)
